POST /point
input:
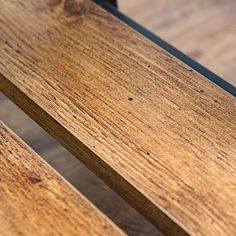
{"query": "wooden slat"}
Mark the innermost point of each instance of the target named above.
(113, 2)
(35, 200)
(152, 128)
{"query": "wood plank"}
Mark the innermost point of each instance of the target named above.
(35, 200)
(148, 125)
(120, 212)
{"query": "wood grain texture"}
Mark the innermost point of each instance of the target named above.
(153, 129)
(110, 203)
(198, 28)
(35, 200)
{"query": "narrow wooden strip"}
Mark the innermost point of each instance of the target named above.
(153, 129)
(35, 200)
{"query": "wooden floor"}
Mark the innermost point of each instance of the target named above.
(182, 23)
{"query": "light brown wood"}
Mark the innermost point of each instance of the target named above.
(120, 212)
(153, 129)
(203, 29)
(35, 200)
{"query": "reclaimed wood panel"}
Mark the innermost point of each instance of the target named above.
(35, 200)
(156, 131)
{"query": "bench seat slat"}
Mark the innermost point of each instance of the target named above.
(156, 131)
(35, 200)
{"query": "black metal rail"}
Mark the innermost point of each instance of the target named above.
(111, 5)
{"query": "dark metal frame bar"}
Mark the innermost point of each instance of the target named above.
(106, 4)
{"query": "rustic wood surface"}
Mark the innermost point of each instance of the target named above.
(126, 217)
(35, 200)
(126, 112)
(203, 29)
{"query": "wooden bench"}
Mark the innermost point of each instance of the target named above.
(155, 130)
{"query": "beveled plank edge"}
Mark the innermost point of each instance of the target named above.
(169, 48)
(158, 217)
(25, 146)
